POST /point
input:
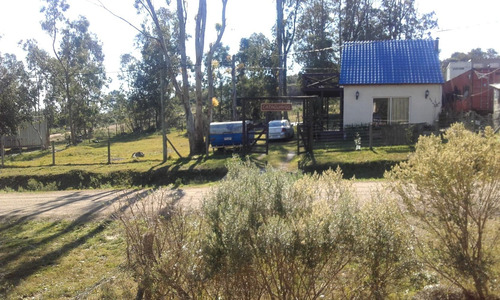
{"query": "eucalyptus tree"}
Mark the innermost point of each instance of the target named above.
(15, 99)
(287, 12)
(37, 61)
(324, 25)
(316, 42)
(257, 67)
(41, 67)
(385, 19)
(221, 65)
(78, 72)
(142, 78)
(359, 21)
(220, 27)
(164, 35)
(400, 19)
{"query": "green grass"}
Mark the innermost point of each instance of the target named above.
(63, 259)
(86, 165)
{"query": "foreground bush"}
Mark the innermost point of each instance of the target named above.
(290, 237)
(163, 242)
(266, 234)
(452, 191)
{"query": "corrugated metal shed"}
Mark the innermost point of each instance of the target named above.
(29, 135)
(390, 62)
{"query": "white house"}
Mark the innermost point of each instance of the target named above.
(388, 82)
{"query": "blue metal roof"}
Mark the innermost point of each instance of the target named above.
(390, 62)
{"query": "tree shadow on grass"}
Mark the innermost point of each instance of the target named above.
(30, 267)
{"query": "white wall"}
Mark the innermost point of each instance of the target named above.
(422, 110)
(456, 68)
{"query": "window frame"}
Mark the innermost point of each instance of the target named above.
(390, 110)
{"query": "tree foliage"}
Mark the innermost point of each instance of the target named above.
(399, 19)
(255, 72)
(76, 73)
(324, 25)
(315, 40)
(142, 80)
(452, 191)
(387, 19)
(16, 99)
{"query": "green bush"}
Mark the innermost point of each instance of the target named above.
(293, 236)
(386, 259)
(451, 190)
(163, 243)
(267, 234)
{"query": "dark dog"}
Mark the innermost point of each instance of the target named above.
(137, 154)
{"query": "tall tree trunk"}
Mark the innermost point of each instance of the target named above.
(279, 39)
(233, 81)
(69, 106)
(210, 56)
(162, 115)
(182, 91)
(284, 41)
(201, 19)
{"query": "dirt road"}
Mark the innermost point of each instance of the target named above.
(97, 204)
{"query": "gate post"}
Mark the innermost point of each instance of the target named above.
(243, 127)
(53, 153)
(2, 149)
(370, 132)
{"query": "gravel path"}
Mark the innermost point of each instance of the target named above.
(86, 205)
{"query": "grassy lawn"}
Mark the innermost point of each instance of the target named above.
(63, 259)
(86, 165)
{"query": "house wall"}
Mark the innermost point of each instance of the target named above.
(468, 91)
(422, 110)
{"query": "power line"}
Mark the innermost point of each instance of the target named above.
(489, 23)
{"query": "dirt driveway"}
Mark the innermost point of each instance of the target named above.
(86, 205)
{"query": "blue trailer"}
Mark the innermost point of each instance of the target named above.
(227, 134)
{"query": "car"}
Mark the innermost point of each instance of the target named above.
(280, 130)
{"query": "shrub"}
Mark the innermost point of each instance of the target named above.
(267, 234)
(289, 236)
(452, 191)
(162, 246)
(386, 259)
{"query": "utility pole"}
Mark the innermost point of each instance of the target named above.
(163, 125)
(233, 78)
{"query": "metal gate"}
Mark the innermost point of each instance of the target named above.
(259, 111)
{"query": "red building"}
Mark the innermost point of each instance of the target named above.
(468, 86)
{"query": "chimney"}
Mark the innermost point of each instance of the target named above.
(436, 45)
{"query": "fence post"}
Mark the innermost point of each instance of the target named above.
(53, 153)
(109, 149)
(370, 132)
(2, 149)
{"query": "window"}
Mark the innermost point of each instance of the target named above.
(391, 110)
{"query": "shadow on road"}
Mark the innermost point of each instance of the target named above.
(123, 200)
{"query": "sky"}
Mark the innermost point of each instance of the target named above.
(463, 24)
